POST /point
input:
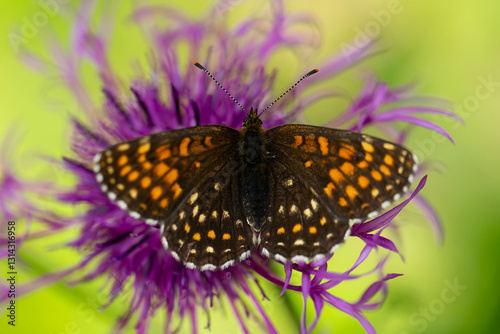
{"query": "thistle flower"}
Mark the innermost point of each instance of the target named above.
(175, 95)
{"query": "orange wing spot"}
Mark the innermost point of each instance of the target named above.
(311, 145)
(183, 147)
(120, 186)
(362, 164)
(171, 176)
(240, 238)
(297, 228)
(196, 146)
(164, 203)
(313, 230)
(144, 148)
(164, 154)
(329, 189)
(125, 170)
(384, 169)
(268, 234)
(363, 182)
(281, 230)
(389, 146)
(322, 221)
(160, 169)
(145, 182)
(156, 192)
(376, 175)
(298, 141)
(176, 189)
(211, 234)
(308, 163)
(343, 202)
(351, 192)
(368, 157)
(367, 147)
(133, 176)
(323, 145)
(345, 153)
(122, 160)
(347, 168)
(336, 175)
(143, 206)
(141, 158)
(208, 142)
(102, 164)
(187, 228)
(197, 164)
(388, 160)
(226, 236)
(123, 147)
(197, 237)
(147, 165)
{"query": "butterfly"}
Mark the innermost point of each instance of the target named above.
(291, 192)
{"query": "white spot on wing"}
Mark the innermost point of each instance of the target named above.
(122, 205)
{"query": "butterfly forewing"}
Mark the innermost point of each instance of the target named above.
(152, 176)
(355, 174)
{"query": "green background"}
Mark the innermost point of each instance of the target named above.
(446, 47)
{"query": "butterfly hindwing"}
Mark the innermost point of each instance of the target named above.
(153, 175)
(300, 225)
(209, 230)
(357, 175)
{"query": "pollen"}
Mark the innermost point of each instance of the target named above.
(313, 230)
(281, 230)
(183, 147)
(323, 145)
(122, 160)
(226, 236)
(197, 237)
(347, 168)
(363, 182)
(156, 192)
(211, 234)
(144, 148)
(145, 182)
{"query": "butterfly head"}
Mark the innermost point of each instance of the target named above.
(252, 121)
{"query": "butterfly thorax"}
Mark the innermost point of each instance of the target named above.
(254, 176)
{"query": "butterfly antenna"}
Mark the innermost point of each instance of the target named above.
(218, 84)
(308, 74)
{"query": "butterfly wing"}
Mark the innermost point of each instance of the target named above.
(348, 176)
(163, 178)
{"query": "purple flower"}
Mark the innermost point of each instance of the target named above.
(175, 95)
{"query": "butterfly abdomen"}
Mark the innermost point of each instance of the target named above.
(254, 177)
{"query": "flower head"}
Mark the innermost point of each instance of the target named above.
(177, 95)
